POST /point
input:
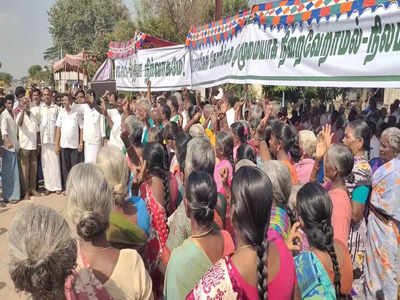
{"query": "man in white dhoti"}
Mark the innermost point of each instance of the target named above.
(50, 159)
(94, 130)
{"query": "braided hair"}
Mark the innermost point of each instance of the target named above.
(315, 208)
(288, 136)
(156, 160)
(224, 141)
(251, 212)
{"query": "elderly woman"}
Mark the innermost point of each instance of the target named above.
(42, 252)
(142, 113)
(200, 157)
(357, 138)
(121, 272)
(279, 225)
(382, 268)
(129, 221)
(307, 142)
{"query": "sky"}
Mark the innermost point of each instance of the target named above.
(24, 33)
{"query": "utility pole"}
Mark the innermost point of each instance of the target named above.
(218, 9)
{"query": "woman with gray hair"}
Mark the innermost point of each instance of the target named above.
(382, 268)
(281, 180)
(200, 156)
(304, 167)
(129, 220)
(90, 201)
(42, 253)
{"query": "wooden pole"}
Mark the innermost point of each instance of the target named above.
(218, 9)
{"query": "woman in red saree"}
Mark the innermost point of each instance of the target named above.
(160, 192)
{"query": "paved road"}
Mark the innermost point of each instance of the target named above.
(7, 290)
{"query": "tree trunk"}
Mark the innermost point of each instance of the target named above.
(218, 9)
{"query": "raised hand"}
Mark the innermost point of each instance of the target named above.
(293, 241)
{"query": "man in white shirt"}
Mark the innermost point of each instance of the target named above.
(35, 98)
(50, 159)
(27, 121)
(113, 117)
(10, 170)
(93, 128)
(69, 136)
(19, 96)
(230, 113)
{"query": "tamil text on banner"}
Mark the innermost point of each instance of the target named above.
(167, 68)
(356, 50)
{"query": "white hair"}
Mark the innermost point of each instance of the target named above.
(42, 252)
(89, 200)
(112, 162)
(393, 135)
(145, 104)
(196, 130)
(308, 142)
(200, 155)
(281, 181)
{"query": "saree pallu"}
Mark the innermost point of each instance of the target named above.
(156, 253)
(382, 268)
(177, 283)
(123, 232)
(360, 177)
(220, 282)
(313, 280)
(279, 221)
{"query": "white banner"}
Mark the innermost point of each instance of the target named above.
(167, 68)
(348, 52)
(355, 51)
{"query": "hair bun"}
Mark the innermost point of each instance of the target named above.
(90, 226)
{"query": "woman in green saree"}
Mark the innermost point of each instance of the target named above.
(205, 246)
(123, 231)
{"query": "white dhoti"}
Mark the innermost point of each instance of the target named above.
(51, 168)
(91, 151)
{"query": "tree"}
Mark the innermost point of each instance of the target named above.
(33, 70)
(172, 19)
(83, 24)
(6, 77)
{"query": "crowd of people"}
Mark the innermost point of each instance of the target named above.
(170, 197)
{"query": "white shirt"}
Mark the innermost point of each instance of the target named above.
(69, 124)
(93, 125)
(9, 128)
(230, 116)
(27, 132)
(115, 133)
(48, 119)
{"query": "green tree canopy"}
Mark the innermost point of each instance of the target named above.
(33, 70)
(83, 24)
(172, 19)
(6, 77)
